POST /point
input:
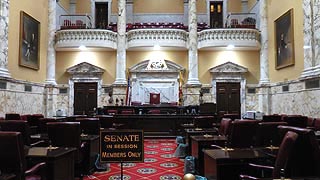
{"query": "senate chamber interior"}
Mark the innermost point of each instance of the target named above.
(159, 89)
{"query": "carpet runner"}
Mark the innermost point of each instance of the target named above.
(159, 163)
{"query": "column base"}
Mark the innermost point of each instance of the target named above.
(193, 82)
(4, 73)
(51, 82)
(120, 82)
(311, 72)
(264, 82)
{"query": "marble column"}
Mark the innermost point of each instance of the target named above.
(264, 89)
(121, 44)
(311, 31)
(193, 45)
(264, 64)
(51, 53)
(4, 25)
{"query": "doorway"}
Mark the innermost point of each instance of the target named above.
(216, 14)
(85, 98)
(228, 98)
(101, 15)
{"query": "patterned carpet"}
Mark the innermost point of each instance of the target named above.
(159, 163)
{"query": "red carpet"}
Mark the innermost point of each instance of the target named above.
(159, 163)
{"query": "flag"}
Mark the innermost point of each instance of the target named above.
(128, 93)
(180, 88)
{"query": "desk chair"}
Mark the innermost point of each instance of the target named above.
(22, 127)
(283, 156)
(267, 134)
(67, 134)
(13, 164)
(242, 133)
(306, 153)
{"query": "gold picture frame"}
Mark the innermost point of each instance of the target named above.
(284, 40)
(29, 45)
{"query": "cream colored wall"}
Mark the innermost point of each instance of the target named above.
(114, 6)
(156, 6)
(65, 4)
(83, 7)
(248, 59)
(234, 6)
(39, 12)
(276, 9)
(102, 59)
(251, 3)
(201, 6)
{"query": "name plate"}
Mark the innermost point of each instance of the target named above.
(121, 146)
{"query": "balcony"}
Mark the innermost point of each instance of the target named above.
(244, 39)
(174, 38)
(240, 31)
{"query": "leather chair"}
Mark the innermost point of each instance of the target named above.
(271, 118)
(204, 121)
(13, 164)
(154, 98)
(242, 133)
(33, 121)
(231, 116)
(22, 127)
(306, 153)
(89, 125)
(12, 116)
(296, 120)
(283, 156)
(224, 129)
(316, 124)
(268, 134)
(67, 134)
(43, 129)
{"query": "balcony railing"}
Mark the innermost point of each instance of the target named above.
(241, 20)
(215, 38)
(75, 22)
(162, 37)
(89, 37)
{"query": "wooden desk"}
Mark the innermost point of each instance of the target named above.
(59, 162)
(93, 146)
(227, 165)
(197, 131)
(204, 142)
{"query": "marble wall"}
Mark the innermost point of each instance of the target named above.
(14, 98)
(298, 100)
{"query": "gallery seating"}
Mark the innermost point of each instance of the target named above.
(282, 158)
(13, 162)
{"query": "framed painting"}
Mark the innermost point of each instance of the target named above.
(284, 40)
(29, 41)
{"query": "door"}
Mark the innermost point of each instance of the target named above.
(85, 98)
(216, 14)
(228, 98)
(101, 15)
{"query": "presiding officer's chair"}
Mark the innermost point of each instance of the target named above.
(68, 134)
(13, 164)
(283, 155)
